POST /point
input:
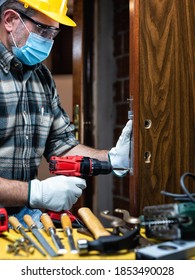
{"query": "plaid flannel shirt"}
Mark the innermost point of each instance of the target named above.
(32, 122)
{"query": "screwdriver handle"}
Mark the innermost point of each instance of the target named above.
(47, 222)
(92, 222)
(67, 227)
(29, 221)
(66, 221)
(15, 223)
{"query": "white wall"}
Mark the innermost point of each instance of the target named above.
(104, 74)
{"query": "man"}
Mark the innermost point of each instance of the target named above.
(32, 122)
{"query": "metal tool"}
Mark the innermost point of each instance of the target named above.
(51, 231)
(168, 221)
(129, 220)
(20, 229)
(18, 244)
(116, 223)
(105, 242)
(172, 221)
(34, 229)
(80, 166)
(85, 231)
(67, 227)
(170, 250)
(165, 222)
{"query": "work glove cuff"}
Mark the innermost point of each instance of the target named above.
(34, 194)
(111, 156)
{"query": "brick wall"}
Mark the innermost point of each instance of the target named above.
(121, 90)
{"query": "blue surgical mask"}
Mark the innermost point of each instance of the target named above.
(36, 49)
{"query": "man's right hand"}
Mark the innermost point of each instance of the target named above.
(56, 193)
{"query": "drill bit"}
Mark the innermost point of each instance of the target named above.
(121, 168)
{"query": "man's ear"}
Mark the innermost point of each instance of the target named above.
(9, 17)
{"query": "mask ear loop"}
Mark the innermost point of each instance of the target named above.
(13, 39)
(24, 26)
(23, 23)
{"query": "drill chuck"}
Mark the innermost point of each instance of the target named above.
(95, 167)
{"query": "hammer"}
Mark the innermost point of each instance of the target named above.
(104, 242)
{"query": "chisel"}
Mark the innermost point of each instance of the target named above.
(34, 229)
(19, 228)
(67, 227)
(51, 231)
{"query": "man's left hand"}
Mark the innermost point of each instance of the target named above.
(119, 155)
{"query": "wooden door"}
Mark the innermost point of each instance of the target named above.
(134, 94)
(162, 82)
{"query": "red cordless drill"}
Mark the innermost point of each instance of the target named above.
(78, 166)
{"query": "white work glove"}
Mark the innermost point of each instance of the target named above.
(56, 193)
(119, 155)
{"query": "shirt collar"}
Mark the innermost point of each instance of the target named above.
(5, 58)
(8, 60)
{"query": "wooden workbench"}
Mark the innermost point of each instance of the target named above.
(36, 255)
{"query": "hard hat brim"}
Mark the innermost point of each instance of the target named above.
(60, 18)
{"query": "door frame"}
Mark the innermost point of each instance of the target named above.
(134, 93)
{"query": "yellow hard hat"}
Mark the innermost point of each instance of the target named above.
(55, 9)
